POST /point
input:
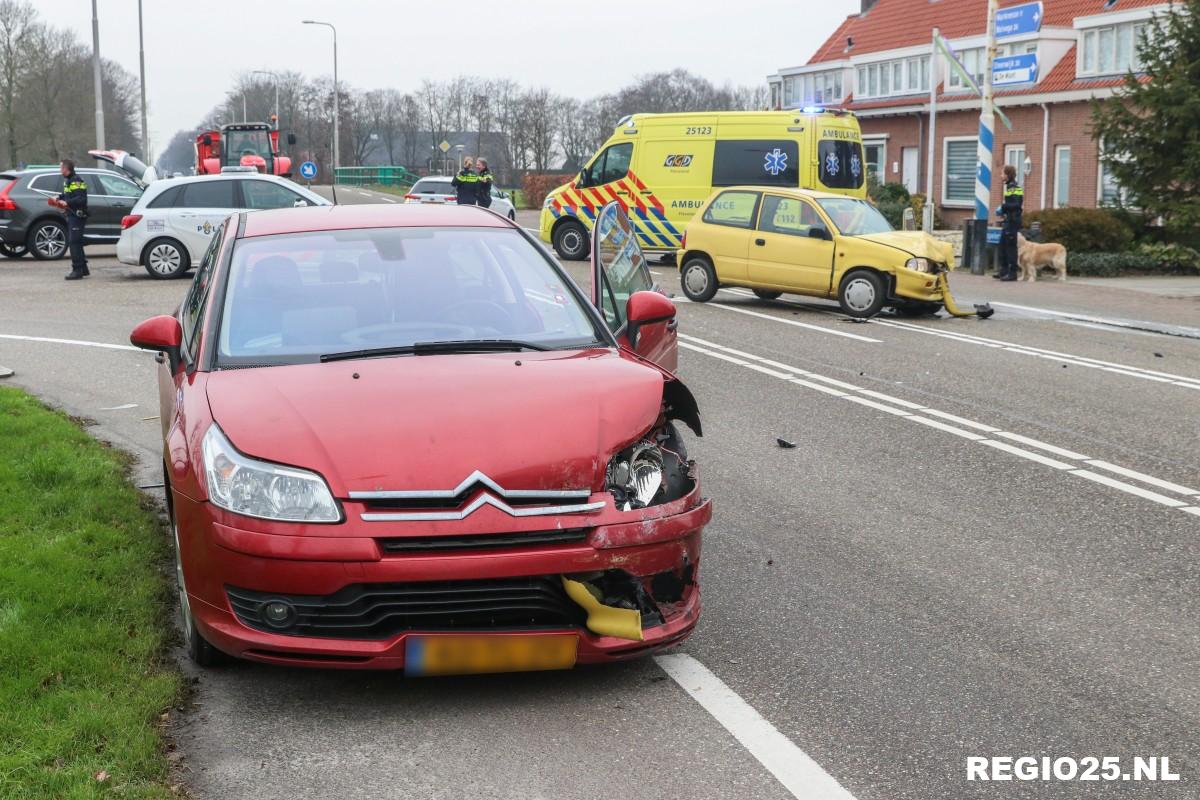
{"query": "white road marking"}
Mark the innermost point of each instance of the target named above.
(1023, 453)
(941, 426)
(104, 345)
(389, 200)
(1049, 448)
(797, 323)
(1141, 476)
(1115, 323)
(997, 344)
(796, 770)
(1130, 488)
(906, 409)
(121, 407)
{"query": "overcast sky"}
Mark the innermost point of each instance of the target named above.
(194, 50)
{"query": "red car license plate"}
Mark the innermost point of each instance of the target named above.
(468, 655)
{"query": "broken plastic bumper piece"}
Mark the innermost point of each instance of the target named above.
(623, 623)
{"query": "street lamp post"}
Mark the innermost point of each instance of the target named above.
(335, 90)
(97, 82)
(142, 71)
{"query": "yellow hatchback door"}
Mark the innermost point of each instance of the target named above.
(792, 249)
(729, 223)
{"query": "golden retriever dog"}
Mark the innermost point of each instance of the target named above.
(1031, 257)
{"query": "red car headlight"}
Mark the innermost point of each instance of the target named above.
(652, 471)
(260, 489)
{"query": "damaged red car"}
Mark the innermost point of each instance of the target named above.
(401, 437)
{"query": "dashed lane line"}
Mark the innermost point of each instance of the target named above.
(998, 344)
(796, 770)
(1049, 455)
(792, 322)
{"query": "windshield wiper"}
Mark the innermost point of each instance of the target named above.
(437, 348)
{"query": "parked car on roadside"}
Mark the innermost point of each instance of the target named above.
(29, 225)
(776, 240)
(401, 437)
(172, 224)
(437, 190)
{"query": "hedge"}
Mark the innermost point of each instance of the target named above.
(1083, 230)
(1109, 265)
(536, 186)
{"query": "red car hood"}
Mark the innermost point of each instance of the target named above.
(428, 422)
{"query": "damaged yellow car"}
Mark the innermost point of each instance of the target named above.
(812, 243)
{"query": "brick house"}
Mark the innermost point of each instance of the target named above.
(878, 63)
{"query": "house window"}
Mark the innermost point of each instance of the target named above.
(789, 92)
(1062, 176)
(1111, 193)
(904, 76)
(958, 171)
(1111, 50)
(973, 62)
(1014, 156)
(875, 154)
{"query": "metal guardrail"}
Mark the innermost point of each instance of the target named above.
(379, 176)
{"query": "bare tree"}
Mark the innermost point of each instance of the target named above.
(18, 24)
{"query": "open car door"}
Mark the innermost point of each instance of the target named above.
(637, 312)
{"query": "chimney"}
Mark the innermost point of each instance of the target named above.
(867, 4)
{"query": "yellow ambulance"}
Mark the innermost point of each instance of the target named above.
(661, 168)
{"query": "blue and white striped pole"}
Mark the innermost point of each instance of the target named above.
(987, 125)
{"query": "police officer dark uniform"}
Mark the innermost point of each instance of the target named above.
(74, 203)
(1011, 211)
(466, 182)
(485, 182)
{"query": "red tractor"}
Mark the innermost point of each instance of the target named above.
(242, 144)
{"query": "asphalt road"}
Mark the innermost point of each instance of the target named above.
(984, 544)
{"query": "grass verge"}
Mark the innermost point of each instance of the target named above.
(84, 673)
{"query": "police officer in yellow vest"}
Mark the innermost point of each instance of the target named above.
(74, 203)
(466, 182)
(1011, 211)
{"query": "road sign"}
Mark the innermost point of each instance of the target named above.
(1011, 70)
(1018, 20)
(993, 236)
(444, 146)
(308, 170)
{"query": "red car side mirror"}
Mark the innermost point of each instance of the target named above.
(646, 308)
(162, 334)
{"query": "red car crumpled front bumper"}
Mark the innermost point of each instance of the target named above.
(224, 552)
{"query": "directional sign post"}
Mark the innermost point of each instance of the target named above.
(1018, 20)
(308, 171)
(1012, 70)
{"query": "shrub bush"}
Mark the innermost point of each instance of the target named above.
(1171, 257)
(917, 201)
(888, 193)
(1083, 230)
(1108, 265)
(536, 186)
(893, 210)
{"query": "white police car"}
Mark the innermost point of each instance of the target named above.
(169, 228)
(437, 189)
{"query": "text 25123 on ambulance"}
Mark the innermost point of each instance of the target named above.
(401, 437)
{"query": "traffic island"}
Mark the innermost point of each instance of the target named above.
(86, 677)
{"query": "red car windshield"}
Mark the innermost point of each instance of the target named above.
(292, 297)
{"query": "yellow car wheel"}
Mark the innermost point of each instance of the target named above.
(862, 293)
(698, 279)
(767, 294)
